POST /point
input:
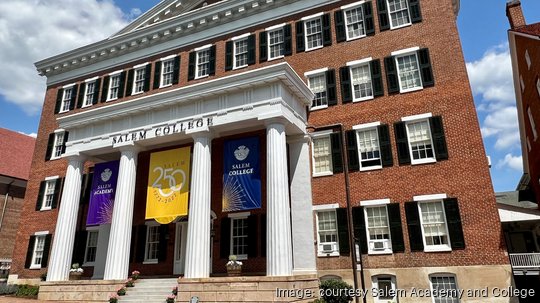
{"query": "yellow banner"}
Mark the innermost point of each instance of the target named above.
(168, 185)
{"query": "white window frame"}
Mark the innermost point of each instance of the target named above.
(48, 182)
(169, 59)
(393, 282)
(150, 224)
(437, 198)
(66, 101)
(39, 235)
(442, 275)
(279, 27)
(321, 209)
(522, 83)
(86, 88)
(350, 7)
(320, 135)
(57, 133)
(532, 124)
(141, 68)
(528, 59)
(317, 73)
(392, 27)
(356, 64)
(404, 53)
(242, 38)
(233, 217)
(305, 21)
(415, 119)
(198, 52)
(112, 76)
(92, 229)
(538, 86)
(376, 204)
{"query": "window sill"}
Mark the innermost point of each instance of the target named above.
(437, 249)
(400, 26)
(318, 108)
(108, 100)
(54, 158)
(355, 38)
(89, 264)
(240, 67)
(63, 111)
(410, 90)
(241, 257)
(423, 161)
(327, 255)
(363, 99)
(376, 253)
(150, 262)
(137, 93)
(163, 86)
(86, 105)
(275, 58)
(45, 208)
(200, 77)
(35, 267)
(312, 49)
(371, 168)
(323, 174)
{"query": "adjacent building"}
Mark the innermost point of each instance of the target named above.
(271, 96)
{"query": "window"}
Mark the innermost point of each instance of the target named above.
(58, 145)
(399, 13)
(152, 244)
(322, 156)
(385, 287)
(327, 231)
(203, 63)
(532, 123)
(522, 83)
(444, 284)
(114, 87)
(434, 229)
(361, 82)
(91, 246)
(89, 93)
(538, 86)
(420, 143)
(354, 22)
(48, 195)
(167, 71)
(138, 84)
(276, 43)
(240, 53)
(317, 84)
(409, 72)
(39, 248)
(66, 99)
(239, 238)
(528, 59)
(368, 149)
(314, 37)
(378, 231)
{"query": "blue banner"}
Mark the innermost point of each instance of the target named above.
(102, 193)
(241, 175)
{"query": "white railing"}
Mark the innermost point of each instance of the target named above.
(530, 260)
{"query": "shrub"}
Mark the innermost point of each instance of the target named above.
(30, 291)
(121, 291)
(8, 289)
(335, 291)
(43, 276)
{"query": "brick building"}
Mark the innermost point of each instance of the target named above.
(16, 151)
(525, 51)
(290, 75)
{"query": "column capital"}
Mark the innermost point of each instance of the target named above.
(76, 158)
(130, 148)
(304, 138)
(273, 121)
(204, 134)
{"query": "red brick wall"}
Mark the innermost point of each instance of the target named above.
(13, 205)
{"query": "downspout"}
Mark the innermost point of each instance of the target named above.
(5, 204)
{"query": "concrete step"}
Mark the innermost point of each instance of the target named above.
(149, 291)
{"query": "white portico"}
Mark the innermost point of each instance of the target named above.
(273, 98)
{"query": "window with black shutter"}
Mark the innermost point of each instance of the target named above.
(360, 234)
(323, 84)
(37, 255)
(409, 71)
(391, 75)
(385, 145)
(331, 94)
(421, 140)
(74, 94)
(263, 46)
(376, 78)
(337, 157)
(58, 187)
(229, 55)
(352, 150)
(59, 96)
(80, 98)
(157, 74)
(191, 66)
(396, 230)
(402, 143)
(343, 232)
(141, 243)
(97, 89)
(252, 237)
(50, 146)
(440, 223)
(163, 242)
(346, 89)
(453, 221)
(425, 68)
(225, 238)
(396, 15)
(300, 43)
(413, 225)
(176, 70)
(439, 138)
(130, 79)
(105, 89)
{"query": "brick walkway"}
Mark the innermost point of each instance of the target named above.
(19, 300)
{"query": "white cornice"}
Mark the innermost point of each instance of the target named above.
(177, 32)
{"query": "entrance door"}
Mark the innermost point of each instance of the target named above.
(180, 248)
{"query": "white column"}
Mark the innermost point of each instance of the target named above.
(117, 264)
(64, 235)
(198, 237)
(278, 235)
(304, 259)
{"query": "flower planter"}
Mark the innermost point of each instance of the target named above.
(234, 270)
(74, 276)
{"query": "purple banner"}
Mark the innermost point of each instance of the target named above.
(102, 193)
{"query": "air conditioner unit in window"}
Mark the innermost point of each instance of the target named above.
(379, 245)
(328, 248)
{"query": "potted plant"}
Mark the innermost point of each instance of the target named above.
(130, 282)
(171, 299)
(113, 298)
(175, 291)
(135, 275)
(234, 267)
(121, 291)
(75, 272)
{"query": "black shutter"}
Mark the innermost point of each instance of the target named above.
(263, 235)
(39, 201)
(97, 89)
(66, 138)
(384, 22)
(326, 30)
(331, 87)
(147, 76)
(253, 233)
(79, 247)
(251, 49)
(133, 242)
(225, 238)
(157, 74)
(439, 139)
(74, 92)
(80, 99)
(46, 251)
(229, 55)
(163, 242)
(141, 243)
(376, 78)
(346, 89)
(122, 85)
(352, 150)
(86, 188)
(212, 61)
(30, 252)
(191, 67)
(337, 160)
(413, 224)
(59, 96)
(385, 146)
(425, 68)
(368, 18)
(263, 47)
(105, 89)
(57, 190)
(360, 235)
(453, 220)
(402, 142)
(83, 187)
(339, 21)
(343, 232)
(416, 13)
(391, 75)
(176, 70)
(287, 42)
(129, 85)
(50, 146)
(300, 44)
(396, 231)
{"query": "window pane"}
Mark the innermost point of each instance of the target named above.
(321, 155)
(139, 80)
(420, 140)
(446, 285)
(203, 63)
(409, 72)
(89, 96)
(318, 87)
(153, 243)
(385, 288)
(38, 250)
(275, 43)
(167, 72)
(355, 22)
(241, 53)
(313, 33)
(377, 223)
(368, 145)
(433, 223)
(114, 87)
(239, 237)
(58, 145)
(66, 99)
(361, 81)
(399, 12)
(327, 229)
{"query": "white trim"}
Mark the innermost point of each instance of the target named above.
(60, 130)
(138, 66)
(92, 228)
(240, 37)
(366, 125)
(359, 62)
(315, 108)
(433, 197)
(68, 86)
(312, 16)
(438, 247)
(91, 79)
(405, 51)
(416, 117)
(116, 72)
(241, 215)
(320, 252)
(386, 250)
(274, 27)
(325, 206)
(528, 59)
(149, 224)
(378, 202)
(168, 57)
(51, 178)
(200, 48)
(538, 86)
(354, 4)
(321, 133)
(41, 233)
(316, 71)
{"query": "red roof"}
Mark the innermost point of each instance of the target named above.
(16, 152)
(531, 29)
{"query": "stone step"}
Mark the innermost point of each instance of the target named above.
(149, 291)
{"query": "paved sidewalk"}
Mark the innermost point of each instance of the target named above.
(19, 300)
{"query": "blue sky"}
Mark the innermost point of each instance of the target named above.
(482, 25)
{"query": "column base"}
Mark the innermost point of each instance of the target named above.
(86, 291)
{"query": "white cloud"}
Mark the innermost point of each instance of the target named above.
(34, 30)
(502, 124)
(33, 135)
(511, 161)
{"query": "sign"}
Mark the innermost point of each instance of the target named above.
(241, 175)
(102, 193)
(168, 185)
